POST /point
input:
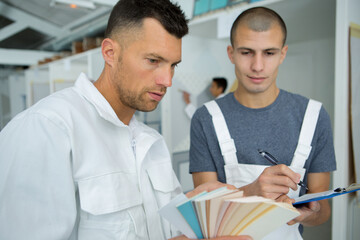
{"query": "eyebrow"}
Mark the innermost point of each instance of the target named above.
(161, 58)
(249, 49)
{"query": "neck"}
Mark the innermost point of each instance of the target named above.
(108, 90)
(256, 100)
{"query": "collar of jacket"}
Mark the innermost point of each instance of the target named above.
(87, 89)
(139, 130)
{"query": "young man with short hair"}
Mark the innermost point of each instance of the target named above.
(227, 134)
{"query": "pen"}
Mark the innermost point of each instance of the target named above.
(273, 161)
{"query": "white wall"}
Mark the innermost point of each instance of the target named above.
(308, 69)
(4, 102)
(344, 212)
(202, 59)
(17, 89)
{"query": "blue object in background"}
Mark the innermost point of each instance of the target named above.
(252, 1)
(216, 4)
(201, 6)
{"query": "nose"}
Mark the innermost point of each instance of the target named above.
(165, 77)
(257, 63)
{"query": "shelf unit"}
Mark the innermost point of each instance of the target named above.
(51, 77)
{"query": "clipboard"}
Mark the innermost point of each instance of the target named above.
(327, 194)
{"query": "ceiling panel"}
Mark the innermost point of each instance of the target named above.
(4, 22)
(60, 16)
(25, 39)
(38, 25)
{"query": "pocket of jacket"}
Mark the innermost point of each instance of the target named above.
(162, 177)
(109, 193)
(164, 182)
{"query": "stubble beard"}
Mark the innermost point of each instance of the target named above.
(135, 100)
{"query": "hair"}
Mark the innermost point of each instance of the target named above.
(221, 82)
(129, 14)
(258, 19)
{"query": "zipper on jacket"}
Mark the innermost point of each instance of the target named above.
(133, 145)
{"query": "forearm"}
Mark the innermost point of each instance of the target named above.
(203, 177)
(318, 182)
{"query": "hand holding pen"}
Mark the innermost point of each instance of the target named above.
(274, 161)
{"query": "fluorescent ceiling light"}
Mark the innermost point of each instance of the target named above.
(73, 3)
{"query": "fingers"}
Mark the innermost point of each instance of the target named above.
(281, 175)
(305, 212)
(314, 206)
(286, 199)
(209, 186)
(282, 169)
(273, 182)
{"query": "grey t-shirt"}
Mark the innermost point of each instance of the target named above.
(275, 129)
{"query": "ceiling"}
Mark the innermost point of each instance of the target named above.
(36, 27)
(40, 25)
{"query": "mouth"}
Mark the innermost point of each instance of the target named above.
(157, 96)
(256, 79)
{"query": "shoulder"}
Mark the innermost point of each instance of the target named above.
(201, 113)
(224, 102)
(57, 108)
(299, 102)
(296, 101)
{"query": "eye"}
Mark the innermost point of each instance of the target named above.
(269, 53)
(174, 65)
(153, 61)
(245, 53)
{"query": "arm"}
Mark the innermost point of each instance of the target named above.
(36, 184)
(323, 163)
(203, 177)
(186, 97)
(272, 183)
(315, 213)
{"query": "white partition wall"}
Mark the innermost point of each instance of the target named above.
(202, 59)
(346, 213)
(17, 88)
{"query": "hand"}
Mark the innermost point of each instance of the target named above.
(182, 237)
(186, 97)
(208, 186)
(307, 210)
(286, 199)
(273, 182)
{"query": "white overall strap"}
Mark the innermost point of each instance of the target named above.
(303, 148)
(226, 143)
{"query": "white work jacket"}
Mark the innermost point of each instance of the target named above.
(70, 169)
(240, 175)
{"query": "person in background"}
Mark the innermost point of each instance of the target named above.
(78, 165)
(217, 90)
(227, 134)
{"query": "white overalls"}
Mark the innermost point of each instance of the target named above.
(242, 174)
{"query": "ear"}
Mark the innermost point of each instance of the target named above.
(283, 53)
(108, 50)
(230, 52)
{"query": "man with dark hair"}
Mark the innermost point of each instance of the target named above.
(78, 165)
(218, 87)
(227, 134)
(217, 90)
